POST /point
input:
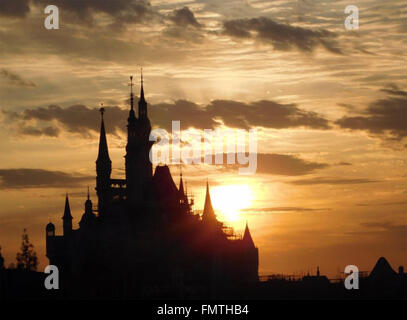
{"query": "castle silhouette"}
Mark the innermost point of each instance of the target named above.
(144, 240)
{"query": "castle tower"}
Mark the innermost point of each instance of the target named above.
(49, 241)
(251, 256)
(142, 104)
(247, 237)
(103, 169)
(208, 214)
(50, 230)
(67, 218)
(182, 194)
(139, 170)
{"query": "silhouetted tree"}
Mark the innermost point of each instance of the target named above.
(1, 261)
(27, 258)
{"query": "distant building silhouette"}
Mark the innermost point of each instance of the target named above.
(144, 240)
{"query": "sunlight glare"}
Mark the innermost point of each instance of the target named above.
(229, 199)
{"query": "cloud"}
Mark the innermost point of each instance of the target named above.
(76, 119)
(273, 163)
(343, 163)
(47, 131)
(385, 232)
(331, 181)
(375, 204)
(283, 209)
(81, 119)
(281, 36)
(15, 79)
(382, 117)
(39, 178)
(184, 17)
(287, 165)
(184, 27)
(14, 8)
(265, 113)
(122, 11)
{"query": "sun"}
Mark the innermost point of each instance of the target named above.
(229, 199)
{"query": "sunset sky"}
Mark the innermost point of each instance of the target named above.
(329, 105)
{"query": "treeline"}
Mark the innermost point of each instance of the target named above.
(26, 259)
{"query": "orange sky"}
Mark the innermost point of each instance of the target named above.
(329, 106)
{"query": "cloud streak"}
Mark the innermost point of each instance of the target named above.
(283, 37)
(39, 178)
(384, 117)
(331, 181)
(269, 114)
(15, 79)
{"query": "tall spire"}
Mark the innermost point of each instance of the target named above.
(103, 149)
(67, 217)
(247, 237)
(131, 93)
(142, 86)
(142, 104)
(182, 194)
(208, 212)
(103, 169)
(181, 184)
(132, 115)
(67, 210)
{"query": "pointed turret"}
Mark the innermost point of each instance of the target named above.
(103, 154)
(88, 204)
(88, 217)
(142, 104)
(208, 212)
(103, 168)
(182, 194)
(247, 237)
(132, 115)
(181, 185)
(67, 217)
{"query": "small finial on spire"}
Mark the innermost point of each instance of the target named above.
(142, 81)
(102, 109)
(88, 193)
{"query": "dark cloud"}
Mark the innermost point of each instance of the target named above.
(39, 178)
(332, 181)
(14, 8)
(281, 36)
(15, 79)
(382, 117)
(394, 90)
(47, 131)
(287, 165)
(184, 17)
(265, 113)
(268, 114)
(123, 11)
(77, 119)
